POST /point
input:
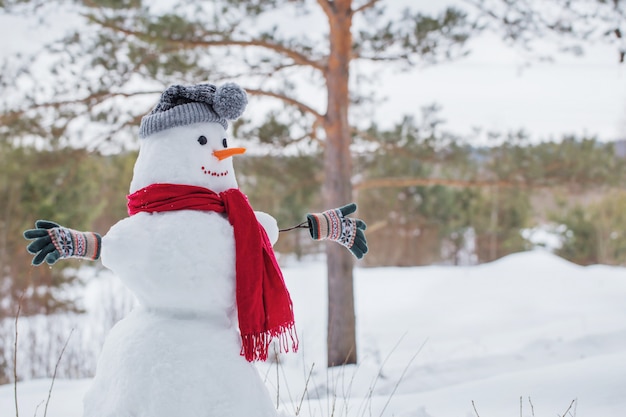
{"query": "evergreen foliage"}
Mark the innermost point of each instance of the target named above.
(482, 206)
(91, 85)
(287, 187)
(594, 232)
(71, 186)
(568, 24)
(121, 49)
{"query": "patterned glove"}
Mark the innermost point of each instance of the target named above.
(53, 242)
(334, 225)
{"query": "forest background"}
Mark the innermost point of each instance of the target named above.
(429, 195)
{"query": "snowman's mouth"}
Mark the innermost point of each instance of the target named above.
(214, 173)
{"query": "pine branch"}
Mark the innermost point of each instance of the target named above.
(297, 57)
(90, 100)
(413, 182)
(17, 316)
(287, 100)
(327, 7)
(365, 6)
(54, 375)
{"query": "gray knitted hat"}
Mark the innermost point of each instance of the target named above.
(183, 105)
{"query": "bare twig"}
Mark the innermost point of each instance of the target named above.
(277, 379)
(370, 393)
(303, 225)
(17, 316)
(348, 393)
(37, 408)
(532, 407)
(287, 387)
(365, 6)
(475, 410)
(402, 376)
(54, 375)
(331, 411)
(569, 408)
(306, 387)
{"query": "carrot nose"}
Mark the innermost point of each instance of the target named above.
(228, 152)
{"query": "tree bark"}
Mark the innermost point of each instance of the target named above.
(337, 184)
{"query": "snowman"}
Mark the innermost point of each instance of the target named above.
(211, 296)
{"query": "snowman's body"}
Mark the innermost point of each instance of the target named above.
(178, 352)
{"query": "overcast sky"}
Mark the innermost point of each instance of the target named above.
(489, 89)
(492, 89)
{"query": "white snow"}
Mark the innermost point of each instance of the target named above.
(174, 156)
(177, 352)
(438, 341)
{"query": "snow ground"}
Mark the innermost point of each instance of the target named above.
(530, 330)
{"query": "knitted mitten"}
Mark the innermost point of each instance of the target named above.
(53, 242)
(334, 225)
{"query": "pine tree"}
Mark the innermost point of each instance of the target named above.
(127, 49)
(116, 56)
(571, 25)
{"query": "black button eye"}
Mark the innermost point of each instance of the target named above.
(202, 140)
(225, 143)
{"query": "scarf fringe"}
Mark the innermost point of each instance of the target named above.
(255, 347)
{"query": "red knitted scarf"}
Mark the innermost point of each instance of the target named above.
(264, 306)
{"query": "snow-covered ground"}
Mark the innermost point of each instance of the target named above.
(526, 335)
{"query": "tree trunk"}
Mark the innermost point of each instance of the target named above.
(337, 185)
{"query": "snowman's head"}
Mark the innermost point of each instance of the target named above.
(184, 140)
(197, 154)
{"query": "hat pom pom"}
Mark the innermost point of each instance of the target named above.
(230, 101)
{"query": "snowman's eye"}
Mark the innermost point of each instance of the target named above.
(225, 143)
(202, 140)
